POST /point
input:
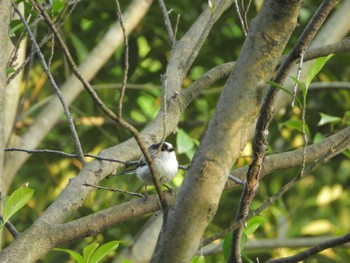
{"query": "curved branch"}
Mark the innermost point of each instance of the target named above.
(224, 70)
(98, 221)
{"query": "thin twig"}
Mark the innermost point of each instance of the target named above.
(313, 250)
(55, 87)
(167, 22)
(238, 10)
(295, 88)
(126, 61)
(246, 14)
(115, 190)
(68, 155)
(176, 26)
(42, 42)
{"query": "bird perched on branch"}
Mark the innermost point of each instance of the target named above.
(165, 164)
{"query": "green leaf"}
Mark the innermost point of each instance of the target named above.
(325, 118)
(103, 251)
(316, 68)
(184, 142)
(278, 86)
(10, 70)
(226, 245)
(79, 258)
(57, 5)
(253, 224)
(16, 201)
(148, 105)
(15, 25)
(198, 259)
(89, 250)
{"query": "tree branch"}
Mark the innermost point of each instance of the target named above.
(223, 70)
(314, 250)
(213, 160)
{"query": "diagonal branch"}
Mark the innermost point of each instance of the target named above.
(167, 22)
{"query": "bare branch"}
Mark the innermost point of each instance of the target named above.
(314, 250)
(167, 22)
(68, 155)
(115, 190)
(69, 117)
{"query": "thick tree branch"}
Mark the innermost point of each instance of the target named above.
(314, 250)
(94, 223)
(224, 70)
(213, 160)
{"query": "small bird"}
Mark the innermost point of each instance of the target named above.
(165, 164)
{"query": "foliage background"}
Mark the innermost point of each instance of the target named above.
(318, 206)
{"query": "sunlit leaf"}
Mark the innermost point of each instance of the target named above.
(253, 224)
(103, 251)
(183, 141)
(89, 250)
(295, 124)
(10, 70)
(198, 259)
(57, 5)
(316, 68)
(317, 227)
(16, 201)
(325, 118)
